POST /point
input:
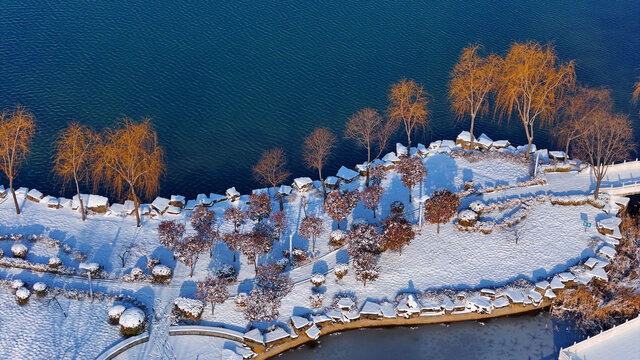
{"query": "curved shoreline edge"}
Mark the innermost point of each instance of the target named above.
(302, 338)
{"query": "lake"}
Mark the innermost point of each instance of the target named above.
(224, 81)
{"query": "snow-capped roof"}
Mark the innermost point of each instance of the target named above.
(299, 322)
(464, 136)
(52, 201)
(65, 203)
(401, 149)
(331, 180)
(619, 342)
(346, 174)
(202, 199)
(479, 303)
(516, 296)
(313, 332)
(345, 303)
(35, 194)
(409, 304)
(591, 262)
(334, 314)
(232, 192)
(544, 284)
(435, 144)
(556, 154)
(177, 198)
(392, 157)
(22, 191)
(598, 272)
(607, 251)
(422, 149)
(275, 335)
(484, 140)
(371, 308)
(302, 182)
(549, 294)
(352, 315)
(566, 276)
(447, 304)
(488, 291)
(254, 335)
(500, 302)
(161, 204)
(535, 296)
(556, 283)
(320, 318)
(448, 143)
(285, 189)
(388, 310)
(97, 201)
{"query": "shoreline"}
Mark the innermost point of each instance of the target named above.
(399, 321)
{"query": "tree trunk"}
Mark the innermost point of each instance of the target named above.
(566, 152)
(368, 163)
(13, 193)
(598, 180)
(338, 221)
(471, 137)
(255, 266)
(438, 228)
(410, 194)
(374, 212)
(80, 198)
(279, 198)
(313, 244)
(135, 205)
(529, 133)
(400, 250)
(192, 265)
(212, 303)
(324, 189)
(409, 142)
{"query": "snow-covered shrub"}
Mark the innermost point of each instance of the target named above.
(54, 262)
(66, 248)
(315, 300)
(467, 217)
(90, 267)
(241, 299)
(52, 243)
(477, 206)
(359, 222)
(132, 321)
(17, 284)
(115, 312)
(19, 250)
(341, 270)
(468, 185)
(486, 226)
(137, 272)
(300, 256)
(317, 279)
(161, 273)
(40, 288)
(189, 308)
(16, 237)
(282, 263)
(227, 272)
(79, 256)
(397, 207)
(598, 203)
(152, 262)
(337, 238)
(569, 200)
(23, 294)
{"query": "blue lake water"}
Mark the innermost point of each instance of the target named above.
(224, 81)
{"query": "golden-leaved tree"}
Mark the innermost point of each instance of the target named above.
(472, 79)
(129, 160)
(72, 159)
(532, 82)
(16, 131)
(408, 106)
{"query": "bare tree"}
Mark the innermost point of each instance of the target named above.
(371, 197)
(581, 103)
(259, 206)
(73, 156)
(440, 207)
(129, 249)
(608, 137)
(278, 221)
(532, 83)
(188, 250)
(233, 241)
(339, 205)
(213, 290)
(129, 158)
(311, 228)
(258, 241)
(472, 79)
(365, 266)
(369, 130)
(270, 169)
(412, 171)
(236, 217)
(408, 106)
(16, 131)
(317, 149)
(169, 234)
(203, 222)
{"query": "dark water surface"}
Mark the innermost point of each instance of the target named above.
(224, 81)
(520, 337)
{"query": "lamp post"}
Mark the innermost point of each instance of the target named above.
(291, 249)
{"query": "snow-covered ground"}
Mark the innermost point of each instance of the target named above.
(550, 239)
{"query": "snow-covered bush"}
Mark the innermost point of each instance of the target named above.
(467, 217)
(54, 262)
(189, 308)
(282, 263)
(359, 222)
(315, 300)
(337, 238)
(241, 299)
(152, 262)
(52, 243)
(23, 294)
(317, 279)
(300, 256)
(19, 250)
(132, 321)
(90, 267)
(79, 256)
(17, 284)
(468, 185)
(486, 226)
(341, 270)
(477, 206)
(161, 273)
(137, 272)
(66, 249)
(40, 288)
(227, 272)
(33, 238)
(397, 207)
(115, 312)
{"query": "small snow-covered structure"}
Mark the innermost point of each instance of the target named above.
(232, 194)
(515, 296)
(464, 139)
(371, 310)
(115, 312)
(467, 217)
(556, 283)
(549, 294)
(490, 293)
(161, 273)
(500, 302)
(557, 155)
(435, 144)
(542, 285)
(332, 182)
(255, 339)
(19, 250)
(321, 319)
(65, 203)
(132, 321)
(303, 184)
(173, 210)
(52, 202)
(391, 157)
(337, 238)
(177, 201)
(313, 332)
(345, 303)
(619, 342)
(160, 204)
(34, 195)
(90, 267)
(408, 306)
(401, 150)
(501, 144)
(480, 304)
(190, 308)
(347, 175)
(23, 294)
(97, 203)
(484, 142)
(607, 251)
(216, 198)
(275, 337)
(285, 190)
(299, 322)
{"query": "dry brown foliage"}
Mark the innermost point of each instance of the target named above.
(440, 207)
(317, 149)
(607, 138)
(532, 83)
(472, 78)
(636, 92)
(270, 169)
(408, 106)
(129, 159)
(369, 130)
(73, 156)
(580, 104)
(16, 131)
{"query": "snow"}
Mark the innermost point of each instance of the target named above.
(484, 141)
(371, 308)
(254, 335)
(179, 199)
(23, 293)
(346, 174)
(345, 303)
(216, 198)
(192, 307)
(500, 302)
(479, 304)
(39, 287)
(116, 311)
(590, 263)
(320, 318)
(161, 270)
(464, 136)
(132, 318)
(620, 342)
(566, 276)
(160, 204)
(19, 250)
(96, 201)
(542, 285)
(556, 155)
(391, 157)
(515, 296)
(401, 149)
(35, 194)
(331, 181)
(556, 283)
(598, 273)
(276, 334)
(467, 215)
(535, 296)
(549, 294)
(303, 183)
(299, 322)
(313, 332)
